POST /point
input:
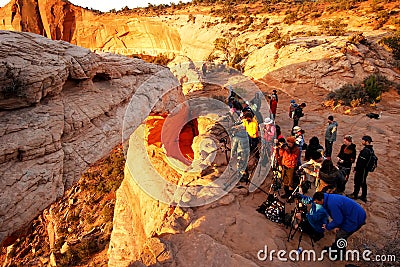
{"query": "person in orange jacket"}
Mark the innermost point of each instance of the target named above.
(289, 154)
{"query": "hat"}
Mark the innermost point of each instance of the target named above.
(367, 138)
(274, 91)
(292, 101)
(296, 128)
(330, 117)
(268, 121)
(291, 139)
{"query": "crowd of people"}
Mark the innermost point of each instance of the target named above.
(293, 154)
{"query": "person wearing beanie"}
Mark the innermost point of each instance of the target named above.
(298, 113)
(289, 154)
(330, 136)
(360, 171)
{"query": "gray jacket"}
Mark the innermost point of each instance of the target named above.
(331, 131)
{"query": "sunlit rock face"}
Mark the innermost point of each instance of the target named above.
(63, 108)
(60, 20)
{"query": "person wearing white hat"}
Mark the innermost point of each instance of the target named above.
(299, 135)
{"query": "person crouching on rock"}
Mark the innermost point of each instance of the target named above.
(347, 218)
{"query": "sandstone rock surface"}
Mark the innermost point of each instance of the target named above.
(63, 108)
(228, 232)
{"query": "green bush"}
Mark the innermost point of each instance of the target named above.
(369, 91)
(358, 38)
(341, 5)
(108, 213)
(375, 85)
(273, 36)
(290, 18)
(69, 258)
(347, 93)
(282, 42)
(393, 42)
(333, 27)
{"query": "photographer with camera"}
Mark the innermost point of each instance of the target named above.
(311, 222)
(289, 153)
(311, 167)
(240, 149)
(330, 178)
(347, 217)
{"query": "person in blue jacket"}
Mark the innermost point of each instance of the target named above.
(347, 217)
(315, 219)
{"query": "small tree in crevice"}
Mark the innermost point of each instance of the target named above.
(15, 86)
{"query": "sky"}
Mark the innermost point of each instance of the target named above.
(106, 5)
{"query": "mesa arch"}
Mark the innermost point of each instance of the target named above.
(63, 108)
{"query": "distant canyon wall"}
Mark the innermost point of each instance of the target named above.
(317, 62)
(62, 108)
(60, 20)
(117, 33)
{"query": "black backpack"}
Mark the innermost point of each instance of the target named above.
(372, 162)
(273, 209)
(298, 112)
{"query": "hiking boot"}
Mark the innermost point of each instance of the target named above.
(363, 199)
(352, 196)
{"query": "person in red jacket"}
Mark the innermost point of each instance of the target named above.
(273, 105)
(289, 154)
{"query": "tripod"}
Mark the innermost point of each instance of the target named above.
(301, 209)
(304, 185)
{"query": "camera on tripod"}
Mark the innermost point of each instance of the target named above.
(283, 145)
(301, 207)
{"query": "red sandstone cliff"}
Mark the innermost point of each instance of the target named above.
(61, 20)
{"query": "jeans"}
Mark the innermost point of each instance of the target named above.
(360, 181)
(241, 150)
(328, 148)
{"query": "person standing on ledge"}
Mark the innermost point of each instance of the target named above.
(361, 171)
(298, 113)
(273, 104)
(347, 155)
(275, 94)
(330, 136)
